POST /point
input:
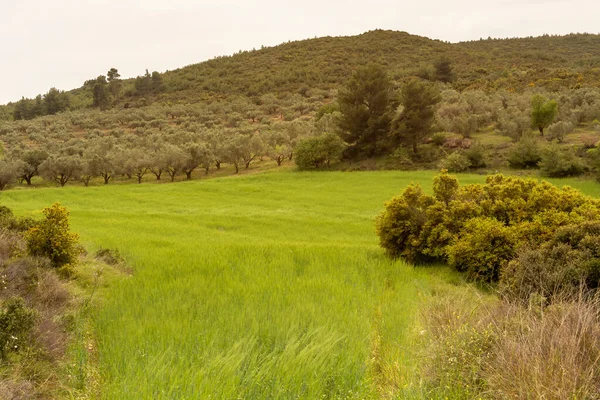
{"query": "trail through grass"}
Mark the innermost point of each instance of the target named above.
(262, 286)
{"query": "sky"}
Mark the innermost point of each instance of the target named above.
(62, 43)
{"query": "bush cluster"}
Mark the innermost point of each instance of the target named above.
(486, 229)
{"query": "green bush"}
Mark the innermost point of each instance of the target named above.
(52, 238)
(438, 138)
(561, 268)
(476, 156)
(559, 130)
(483, 248)
(479, 229)
(16, 323)
(427, 154)
(560, 162)
(525, 154)
(319, 151)
(399, 227)
(456, 162)
(10, 222)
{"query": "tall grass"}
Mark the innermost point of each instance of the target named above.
(263, 286)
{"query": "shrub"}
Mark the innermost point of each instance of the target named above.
(562, 268)
(484, 246)
(16, 323)
(52, 238)
(10, 222)
(456, 162)
(559, 130)
(558, 162)
(319, 151)
(399, 226)
(525, 154)
(476, 156)
(438, 138)
(427, 154)
(108, 256)
(479, 229)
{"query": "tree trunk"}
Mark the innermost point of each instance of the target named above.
(188, 174)
(218, 164)
(28, 179)
(541, 128)
(237, 168)
(415, 147)
(106, 178)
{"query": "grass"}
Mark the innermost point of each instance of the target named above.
(269, 285)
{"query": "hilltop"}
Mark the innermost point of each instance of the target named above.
(550, 62)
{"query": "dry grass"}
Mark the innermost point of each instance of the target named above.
(503, 350)
(10, 244)
(549, 354)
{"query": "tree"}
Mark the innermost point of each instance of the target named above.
(100, 94)
(365, 104)
(175, 160)
(9, 171)
(543, 112)
(443, 70)
(33, 159)
(61, 169)
(56, 101)
(414, 121)
(197, 154)
(278, 146)
(253, 147)
(101, 163)
(319, 151)
(234, 150)
(114, 83)
(133, 162)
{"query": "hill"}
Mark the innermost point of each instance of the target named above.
(551, 62)
(261, 103)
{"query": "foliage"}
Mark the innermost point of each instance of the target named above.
(476, 156)
(558, 130)
(456, 162)
(525, 154)
(415, 120)
(438, 138)
(559, 162)
(478, 229)
(52, 237)
(16, 324)
(364, 105)
(543, 112)
(483, 247)
(319, 151)
(443, 70)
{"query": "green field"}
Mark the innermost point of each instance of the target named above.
(257, 286)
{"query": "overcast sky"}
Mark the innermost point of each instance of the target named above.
(62, 43)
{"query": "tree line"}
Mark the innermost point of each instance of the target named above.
(134, 157)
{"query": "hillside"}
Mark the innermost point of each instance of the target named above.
(551, 62)
(260, 104)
